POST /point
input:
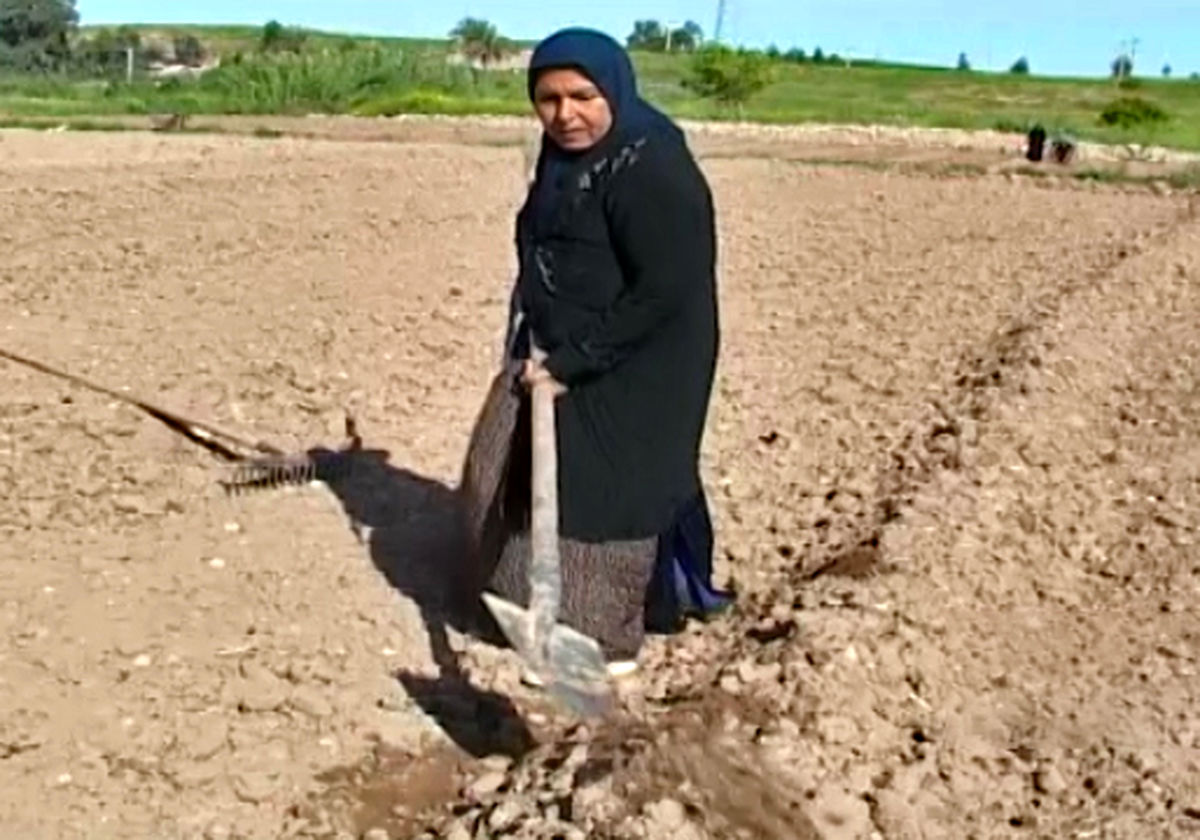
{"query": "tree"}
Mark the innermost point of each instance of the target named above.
(479, 40)
(688, 37)
(652, 36)
(1166, 71)
(127, 36)
(818, 56)
(1020, 67)
(795, 55)
(963, 64)
(1122, 66)
(647, 35)
(35, 34)
(105, 51)
(278, 38)
(728, 76)
(189, 50)
(272, 34)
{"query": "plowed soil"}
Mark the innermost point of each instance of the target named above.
(953, 458)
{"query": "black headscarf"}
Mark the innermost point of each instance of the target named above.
(607, 64)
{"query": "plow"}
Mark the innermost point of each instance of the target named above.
(570, 664)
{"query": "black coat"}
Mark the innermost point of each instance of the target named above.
(617, 282)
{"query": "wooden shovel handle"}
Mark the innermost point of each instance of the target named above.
(545, 583)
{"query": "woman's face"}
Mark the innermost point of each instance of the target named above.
(573, 111)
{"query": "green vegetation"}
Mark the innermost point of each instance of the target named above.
(899, 96)
(1131, 112)
(728, 76)
(279, 69)
(480, 41)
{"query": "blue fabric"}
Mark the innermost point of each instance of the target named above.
(607, 64)
(681, 586)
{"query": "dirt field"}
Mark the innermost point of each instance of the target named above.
(954, 459)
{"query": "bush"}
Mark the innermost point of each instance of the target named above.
(329, 81)
(28, 57)
(1132, 111)
(728, 76)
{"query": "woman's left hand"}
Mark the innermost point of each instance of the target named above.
(534, 374)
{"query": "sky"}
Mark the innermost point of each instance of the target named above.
(1068, 37)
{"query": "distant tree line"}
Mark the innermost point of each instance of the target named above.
(652, 36)
(43, 36)
(1020, 67)
(1120, 69)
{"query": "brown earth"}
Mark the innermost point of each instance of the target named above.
(954, 457)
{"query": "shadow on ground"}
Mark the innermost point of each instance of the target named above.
(412, 526)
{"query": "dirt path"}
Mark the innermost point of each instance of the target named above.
(982, 390)
(926, 150)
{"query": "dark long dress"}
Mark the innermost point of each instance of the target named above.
(617, 252)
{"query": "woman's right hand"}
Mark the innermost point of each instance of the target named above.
(534, 374)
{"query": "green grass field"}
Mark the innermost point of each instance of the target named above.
(384, 76)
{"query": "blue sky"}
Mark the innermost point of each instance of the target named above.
(1068, 37)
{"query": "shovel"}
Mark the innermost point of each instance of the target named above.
(569, 663)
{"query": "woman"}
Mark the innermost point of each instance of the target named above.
(617, 250)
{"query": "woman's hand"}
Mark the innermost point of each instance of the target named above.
(534, 374)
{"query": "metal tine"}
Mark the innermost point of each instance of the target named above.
(277, 470)
(271, 473)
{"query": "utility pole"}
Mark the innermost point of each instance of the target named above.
(720, 20)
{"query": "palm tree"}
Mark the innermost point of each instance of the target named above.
(479, 40)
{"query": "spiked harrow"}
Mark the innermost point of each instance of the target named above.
(570, 664)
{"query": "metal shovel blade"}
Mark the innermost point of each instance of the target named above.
(574, 669)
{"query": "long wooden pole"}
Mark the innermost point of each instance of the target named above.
(206, 434)
(545, 580)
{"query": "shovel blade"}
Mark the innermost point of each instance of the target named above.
(576, 672)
